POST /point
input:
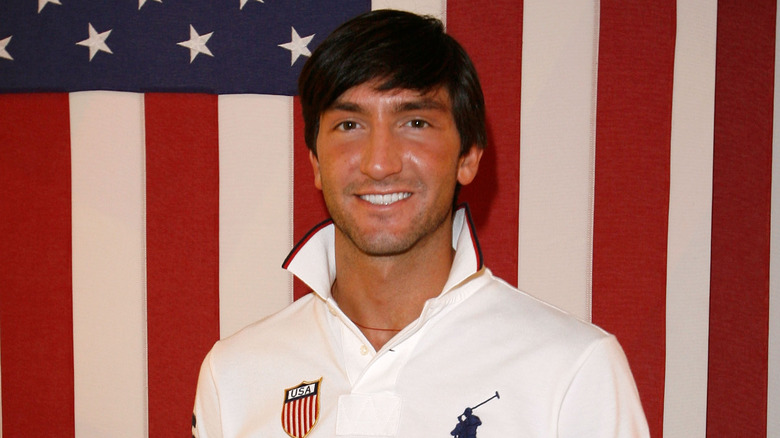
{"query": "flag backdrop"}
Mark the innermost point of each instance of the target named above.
(153, 177)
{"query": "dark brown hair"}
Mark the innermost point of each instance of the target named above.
(402, 51)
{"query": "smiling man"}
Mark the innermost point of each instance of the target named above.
(406, 333)
(387, 163)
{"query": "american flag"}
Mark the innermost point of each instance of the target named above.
(153, 178)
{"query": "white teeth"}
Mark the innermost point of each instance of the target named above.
(385, 199)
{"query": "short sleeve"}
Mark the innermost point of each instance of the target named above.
(602, 400)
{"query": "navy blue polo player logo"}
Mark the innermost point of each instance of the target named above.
(468, 422)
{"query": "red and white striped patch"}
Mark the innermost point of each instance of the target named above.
(301, 408)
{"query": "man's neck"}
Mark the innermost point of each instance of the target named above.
(382, 295)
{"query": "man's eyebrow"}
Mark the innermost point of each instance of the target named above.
(423, 103)
(341, 105)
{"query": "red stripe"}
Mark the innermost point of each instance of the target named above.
(35, 266)
(308, 206)
(310, 412)
(294, 419)
(305, 417)
(297, 428)
(182, 251)
(491, 33)
(636, 63)
(304, 414)
(286, 417)
(739, 291)
(291, 418)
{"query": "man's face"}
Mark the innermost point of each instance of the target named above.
(387, 164)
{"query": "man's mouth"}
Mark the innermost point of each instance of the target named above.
(387, 199)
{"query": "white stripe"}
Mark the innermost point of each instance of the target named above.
(690, 220)
(255, 207)
(773, 391)
(109, 309)
(436, 8)
(556, 151)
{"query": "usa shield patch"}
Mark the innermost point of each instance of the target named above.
(301, 408)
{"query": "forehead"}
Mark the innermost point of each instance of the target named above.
(369, 94)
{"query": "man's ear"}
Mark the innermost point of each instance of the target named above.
(315, 165)
(468, 164)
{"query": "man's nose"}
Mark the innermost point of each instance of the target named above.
(382, 155)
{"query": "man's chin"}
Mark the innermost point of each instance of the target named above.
(384, 247)
(381, 244)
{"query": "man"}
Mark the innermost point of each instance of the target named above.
(405, 328)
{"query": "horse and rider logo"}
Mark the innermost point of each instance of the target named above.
(301, 408)
(468, 422)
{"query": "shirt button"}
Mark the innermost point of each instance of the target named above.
(332, 310)
(363, 350)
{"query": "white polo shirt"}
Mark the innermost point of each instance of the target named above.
(308, 371)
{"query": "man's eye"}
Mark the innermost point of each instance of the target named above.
(348, 125)
(417, 123)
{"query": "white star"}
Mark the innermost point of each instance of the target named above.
(243, 2)
(4, 53)
(297, 46)
(197, 43)
(42, 3)
(96, 42)
(142, 2)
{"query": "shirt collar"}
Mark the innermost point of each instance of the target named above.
(313, 259)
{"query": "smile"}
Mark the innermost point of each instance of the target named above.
(385, 199)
